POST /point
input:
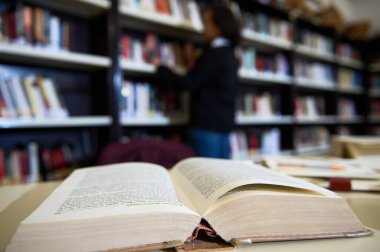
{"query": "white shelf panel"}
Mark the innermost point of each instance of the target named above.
(90, 121)
(374, 93)
(82, 8)
(137, 67)
(154, 121)
(156, 18)
(49, 57)
(308, 83)
(350, 90)
(350, 62)
(266, 77)
(313, 150)
(316, 120)
(252, 36)
(257, 120)
(354, 120)
(307, 51)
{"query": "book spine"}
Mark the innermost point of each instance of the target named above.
(11, 108)
(34, 162)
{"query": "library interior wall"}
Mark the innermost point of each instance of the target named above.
(360, 10)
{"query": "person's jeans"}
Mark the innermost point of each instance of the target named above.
(207, 143)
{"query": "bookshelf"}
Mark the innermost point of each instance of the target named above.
(72, 67)
(95, 62)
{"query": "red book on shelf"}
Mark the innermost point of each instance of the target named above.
(162, 6)
(24, 165)
(12, 26)
(66, 35)
(126, 47)
(28, 23)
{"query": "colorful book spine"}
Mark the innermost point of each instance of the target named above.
(34, 26)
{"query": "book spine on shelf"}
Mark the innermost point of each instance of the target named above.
(248, 144)
(8, 100)
(346, 108)
(311, 137)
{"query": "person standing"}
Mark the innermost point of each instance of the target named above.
(213, 84)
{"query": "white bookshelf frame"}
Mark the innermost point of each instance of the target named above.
(75, 121)
(153, 121)
(350, 90)
(47, 57)
(308, 51)
(346, 62)
(265, 39)
(261, 120)
(309, 83)
(354, 120)
(249, 75)
(317, 120)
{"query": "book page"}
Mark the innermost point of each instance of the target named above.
(132, 188)
(205, 180)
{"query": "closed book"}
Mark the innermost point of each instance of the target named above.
(22, 105)
(51, 94)
(34, 96)
(195, 16)
(28, 24)
(7, 96)
(162, 6)
(54, 35)
(15, 173)
(33, 162)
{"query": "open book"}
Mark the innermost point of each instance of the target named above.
(142, 206)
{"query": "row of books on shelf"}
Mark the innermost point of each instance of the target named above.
(181, 12)
(34, 26)
(263, 105)
(32, 163)
(265, 25)
(309, 107)
(348, 78)
(316, 72)
(257, 24)
(140, 50)
(252, 61)
(347, 108)
(316, 41)
(347, 51)
(146, 101)
(248, 144)
(311, 139)
(312, 107)
(30, 97)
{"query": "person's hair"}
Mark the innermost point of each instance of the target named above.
(225, 20)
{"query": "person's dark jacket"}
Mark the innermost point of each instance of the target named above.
(213, 84)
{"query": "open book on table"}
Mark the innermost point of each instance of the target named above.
(143, 206)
